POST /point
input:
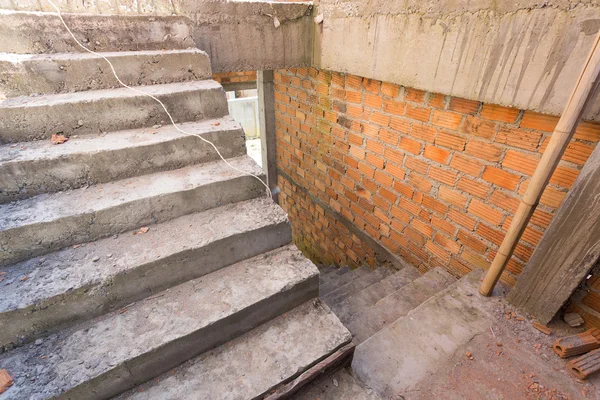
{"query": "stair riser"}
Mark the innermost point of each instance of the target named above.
(30, 33)
(23, 179)
(37, 239)
(50, 76)
(84, 303)
(150, 365)
(25, 123)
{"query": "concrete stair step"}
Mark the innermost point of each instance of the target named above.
(398, 357)
(32, 168)
(371, 294)
(342, 279)
(341, 385)
(254, 364)
(369, 321)
(49, 222)
(334, 272)
(28, 74)
(108, 355)
(41, 32)
(96, 111)
(77, 284)
(356, 285)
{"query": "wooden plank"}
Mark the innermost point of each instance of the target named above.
(337, 360)
(568, 250)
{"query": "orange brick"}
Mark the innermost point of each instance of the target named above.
(504, 201)
(357, 152)
(552, 197)
(380, 119)
(475, 188)
(441, 175)
(451, 196)
(370, 130)
(375, 161)
(442, 224)
(446, 119)
(540, 122)
(388, 195)
(366, 169)
(450, 140)
(373, 101)
(416, 165)
(518, 138)
(492, 235)
(409, 206)
(423, 132)
(383, 179)
(578, 152)
(434, 205)
(435, 153)
(467, 165)
(353, 97)
(394, 156)
(564, 176)
(400, 214)
(415, 95)
(438, 251)
(389, 89)
(389, 137)
(448, 244)
(484, 151)
(471, 242)
(395, 171)
(354, 111)
(355, 139)
(541, 218)
(501, 178)
(371, 85)
(420, 182)
(437, 100)
(374, 146)
(400, 125)
(418, 113)
(412, 146)
(479, 127)
(588, 131)
(403, 189)
(394, 107)
(485, 212)
(520, 162)
(499, 113)
(464, 106)
(353, 81)
(460, 267)
(475, 260)
(422, 227)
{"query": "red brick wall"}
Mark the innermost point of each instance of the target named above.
(434, 179)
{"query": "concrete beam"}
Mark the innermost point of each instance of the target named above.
(266, 117)
(524, 53)
(232, 87)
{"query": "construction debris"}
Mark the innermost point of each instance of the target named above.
(585, 365)
(542, 328)
(58, 139)
(575, 345)
(573, 319)
(6, 380)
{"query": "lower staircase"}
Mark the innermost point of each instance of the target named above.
(133, 261)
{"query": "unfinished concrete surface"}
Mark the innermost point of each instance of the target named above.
(527, 54)
(341, 385)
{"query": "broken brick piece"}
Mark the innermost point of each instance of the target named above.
(585, 365)
(6, 380)
(542, 328)
(575, 345)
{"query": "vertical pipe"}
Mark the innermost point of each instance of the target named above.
(565, 128)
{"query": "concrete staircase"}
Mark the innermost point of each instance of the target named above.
(132, 249)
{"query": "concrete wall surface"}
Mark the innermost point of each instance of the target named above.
(523, 53)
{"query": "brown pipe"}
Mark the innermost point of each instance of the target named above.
(565, 128)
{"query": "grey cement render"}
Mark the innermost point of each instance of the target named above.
(113, 353)
(31, 168)
(252, 365)
(29, 118)
(76, 284)
(526, 54)
(31, 74)
(42, 32)
(424, 339)
(49, 222)
(341, 385)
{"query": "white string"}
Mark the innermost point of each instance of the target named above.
(157, 100)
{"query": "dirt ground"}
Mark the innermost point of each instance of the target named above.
(511, 361)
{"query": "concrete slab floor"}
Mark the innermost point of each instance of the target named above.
(515, 361)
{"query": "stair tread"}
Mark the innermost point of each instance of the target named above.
(372, 293)
(116, 340)
(428, 337)
(93, 143)
(16, 57)
(49, 207)
(102, 94)
(250, 366)
(398, 304)
(72, 268)
(343, 279)
(356, 285)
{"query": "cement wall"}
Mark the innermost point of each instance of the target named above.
(524, 53)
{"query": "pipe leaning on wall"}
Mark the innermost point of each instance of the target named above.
(565, 128)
